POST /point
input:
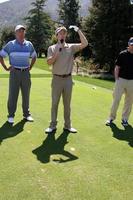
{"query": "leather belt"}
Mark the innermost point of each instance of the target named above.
(21, 69)
(63, 76)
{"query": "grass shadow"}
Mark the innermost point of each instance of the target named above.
(124, 135)
(7, 130)
(51, 146)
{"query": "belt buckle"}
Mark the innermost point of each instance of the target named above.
(23, 69)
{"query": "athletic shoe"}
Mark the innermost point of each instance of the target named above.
(109, 122)
(50, 130)
(29, 118)
(70, 130)
(124, 122)
(11, 120)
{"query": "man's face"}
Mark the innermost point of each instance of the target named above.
(62, 35)
(130, 47)
(20, 34)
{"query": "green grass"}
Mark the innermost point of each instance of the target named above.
(43, 70)
(42, 64)
(94, 164)
(96, 82)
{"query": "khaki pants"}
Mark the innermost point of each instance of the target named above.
(61, 87)
(122, 86)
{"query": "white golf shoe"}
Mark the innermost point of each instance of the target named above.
(70, 130)
(50, 130)
(29, 118)
(10, 120)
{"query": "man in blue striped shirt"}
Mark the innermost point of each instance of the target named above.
(19, 51)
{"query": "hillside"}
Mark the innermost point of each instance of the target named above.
(12, 12)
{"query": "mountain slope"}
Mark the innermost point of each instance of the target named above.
(12, 12)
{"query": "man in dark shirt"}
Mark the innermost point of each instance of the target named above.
(123, 84)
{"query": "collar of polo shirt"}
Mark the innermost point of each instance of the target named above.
(24, 42)
(65, 45)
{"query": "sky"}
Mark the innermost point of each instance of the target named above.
(1, 1)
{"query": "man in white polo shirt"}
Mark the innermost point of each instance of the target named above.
(19, 52)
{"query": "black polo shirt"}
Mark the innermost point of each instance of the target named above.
(125, 62)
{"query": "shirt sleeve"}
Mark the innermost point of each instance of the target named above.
(76, 47)
(50, 52)
(33, 53)
(5, 50)
(119, 60)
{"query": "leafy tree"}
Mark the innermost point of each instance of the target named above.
(39, 27)
(69, 15)
(6, 35)
(108, 28)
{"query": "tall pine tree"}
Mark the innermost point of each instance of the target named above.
(69, 15)
(108, 27)
(39, 27)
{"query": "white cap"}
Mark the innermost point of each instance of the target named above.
(60, 29)
(18, 27)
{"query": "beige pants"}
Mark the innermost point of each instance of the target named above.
(122, 86)
(61, 87)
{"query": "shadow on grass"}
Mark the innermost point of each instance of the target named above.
(52, 146)
(7, 130)
(126, 134)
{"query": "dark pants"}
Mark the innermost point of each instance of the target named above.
(19, 80)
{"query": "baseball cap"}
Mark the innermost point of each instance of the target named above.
(130, 42)
(60, 29)
(18, 27)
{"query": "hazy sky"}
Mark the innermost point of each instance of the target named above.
(1, 1)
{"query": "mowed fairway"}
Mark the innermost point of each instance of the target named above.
(94, 164)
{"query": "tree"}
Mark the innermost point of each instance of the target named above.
(39, 27)
(69, 15)
(108, 28)
(7, 34)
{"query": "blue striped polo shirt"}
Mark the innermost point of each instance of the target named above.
(19, 53)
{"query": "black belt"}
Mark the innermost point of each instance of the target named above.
(63, 76)
(21, 69)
